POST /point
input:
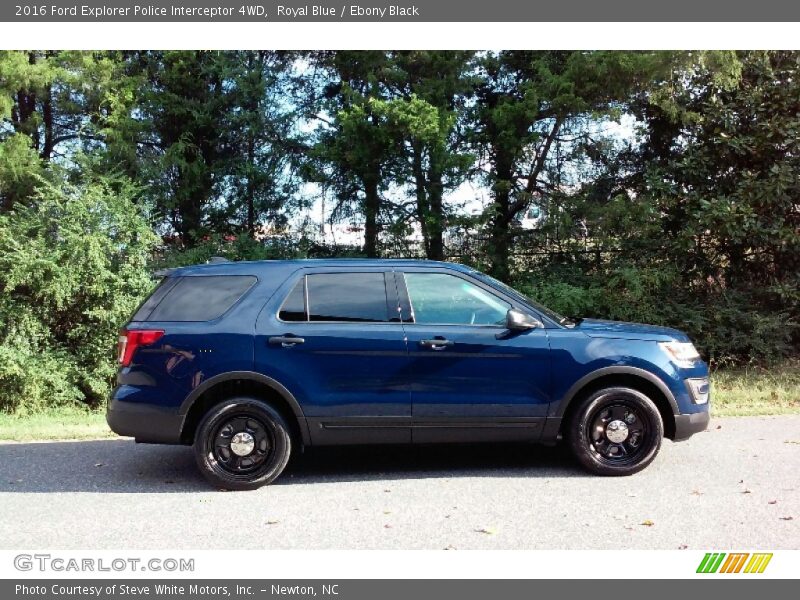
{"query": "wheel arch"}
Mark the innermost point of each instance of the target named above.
(639, 379)
(242, 383)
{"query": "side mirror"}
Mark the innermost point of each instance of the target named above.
(516, 320)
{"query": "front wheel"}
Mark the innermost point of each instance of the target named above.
(615, 431)
(242, 444)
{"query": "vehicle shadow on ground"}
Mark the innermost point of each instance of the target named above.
(122, 466)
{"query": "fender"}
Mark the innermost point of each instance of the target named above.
(614, 370)
(273, 384)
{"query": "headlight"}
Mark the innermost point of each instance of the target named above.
(683, 354)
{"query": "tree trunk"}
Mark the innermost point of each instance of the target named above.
(371, 209)
(500, 248)
(506, 209)
(47, 118)
(252, 107)
(26, 108)
(250, 193)
(430, 192)
(500, 230)
(436, 206)
(422, 197)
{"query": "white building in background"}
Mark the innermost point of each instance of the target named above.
(468, 199)
(532, 218)
(352, 234)
(342, 234)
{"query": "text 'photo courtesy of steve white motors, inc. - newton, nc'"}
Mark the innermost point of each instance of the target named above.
(214, 12)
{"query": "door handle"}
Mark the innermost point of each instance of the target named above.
(286, 341)
(436, 344)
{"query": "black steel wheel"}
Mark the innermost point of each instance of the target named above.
(242, 444)
(615, 431)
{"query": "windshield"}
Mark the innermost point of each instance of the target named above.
(560, 319)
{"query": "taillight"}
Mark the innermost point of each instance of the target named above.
(130, 341)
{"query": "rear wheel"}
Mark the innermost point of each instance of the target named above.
(615, 431)
(242, 444)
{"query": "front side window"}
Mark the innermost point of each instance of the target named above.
(443, 299)
(353, 297)
(561, 320)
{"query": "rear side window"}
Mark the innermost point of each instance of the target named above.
(200, 298)
(354, 297)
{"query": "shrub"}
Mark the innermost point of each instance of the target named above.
(232, 247)
(728, 326)
(73, 267)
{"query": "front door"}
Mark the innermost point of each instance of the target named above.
(470, 378)
(336, 342)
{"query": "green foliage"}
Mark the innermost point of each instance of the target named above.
(230, 247)
(73, 267)
(686, 214)
(20, 169)
(353, 150)
(527, 102)
(696, 226)
(727, 327)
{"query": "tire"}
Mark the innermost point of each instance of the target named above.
(260, 427)
(615, 431)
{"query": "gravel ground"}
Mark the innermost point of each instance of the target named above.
(736, 485)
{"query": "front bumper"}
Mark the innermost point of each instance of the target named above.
(687, 425)
(145, 423)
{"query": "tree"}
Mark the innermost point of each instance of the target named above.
(53, 105)
(28, 81)
(719, 166)
(525, 102)
(355, 149)
(430, 91)
(260, 177)
(186, 106)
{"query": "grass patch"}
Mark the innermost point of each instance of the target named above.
(56, 424)
(745, 391)
(736, 392)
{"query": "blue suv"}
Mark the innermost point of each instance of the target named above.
(248, 361)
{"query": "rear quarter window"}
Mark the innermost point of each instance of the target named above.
(196, 298)
(146, 307)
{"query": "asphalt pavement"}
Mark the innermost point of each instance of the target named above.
(736, 485)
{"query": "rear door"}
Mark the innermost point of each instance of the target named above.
(334, 338)
(470, 378)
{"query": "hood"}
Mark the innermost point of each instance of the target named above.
(634, 331)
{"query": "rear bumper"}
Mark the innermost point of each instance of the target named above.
(686, 425)
(145, 423)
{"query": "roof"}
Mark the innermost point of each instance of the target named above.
(257, 266)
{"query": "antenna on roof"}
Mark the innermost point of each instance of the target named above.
(216, 259)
